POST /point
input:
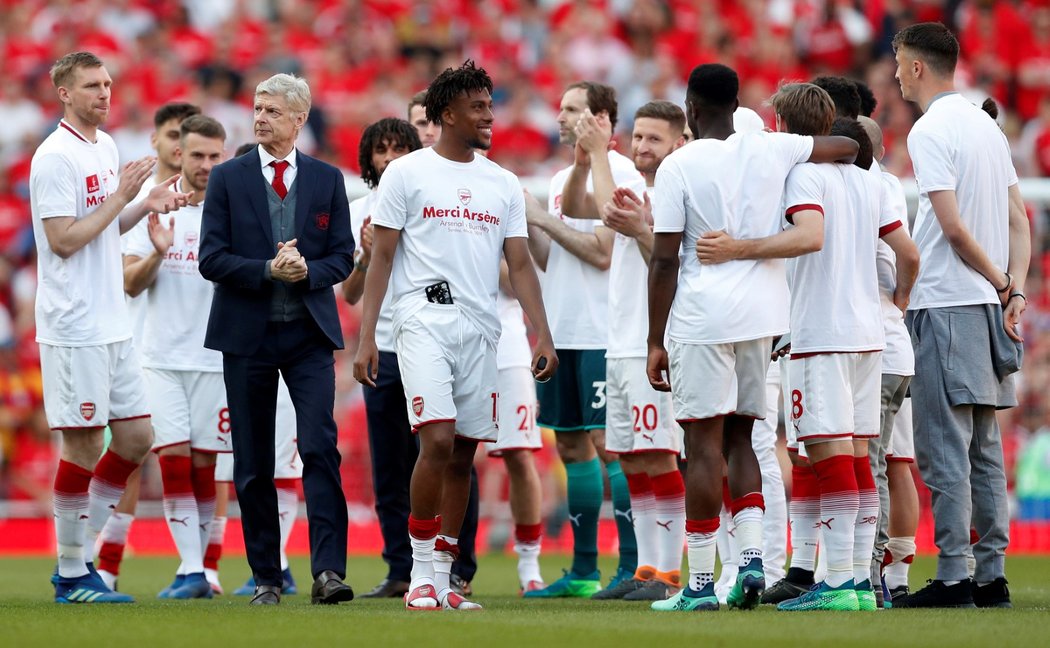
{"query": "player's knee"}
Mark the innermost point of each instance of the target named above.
(574, 447)
(82, 447)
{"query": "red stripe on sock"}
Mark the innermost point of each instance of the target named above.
(71, 479)
(747, 501)
(423, 529)
(287, 484)
(638, 483)
(442, 545)
(836, 475)
(114, 469)
(974, 538)
(669, 484)
(212, 555)
(862, 469)
(203, 479)
(176, 475)
(804, 483)
(109, 556)
(528, 532)
(701, 526)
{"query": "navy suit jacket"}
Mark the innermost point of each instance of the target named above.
(237, 241)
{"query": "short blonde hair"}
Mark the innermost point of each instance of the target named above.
(64, 68)
(294, 89)
(808, 109)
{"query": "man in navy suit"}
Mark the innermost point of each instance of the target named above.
(275, 238)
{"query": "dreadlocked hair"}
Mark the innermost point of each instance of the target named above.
(390, 129)
(452, 83)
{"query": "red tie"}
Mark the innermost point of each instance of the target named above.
(278, 177)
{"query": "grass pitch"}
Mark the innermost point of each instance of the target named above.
(29, 618)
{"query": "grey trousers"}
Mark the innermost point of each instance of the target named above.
(958, 447)
(894, 389)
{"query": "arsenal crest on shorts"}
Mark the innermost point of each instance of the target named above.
(87, 410)
(464, 196)
(322, 221)
(417, 405)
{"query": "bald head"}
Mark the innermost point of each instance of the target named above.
(874, 134)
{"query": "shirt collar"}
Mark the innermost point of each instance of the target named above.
(941, 96)
(265, 158)
(77, 134)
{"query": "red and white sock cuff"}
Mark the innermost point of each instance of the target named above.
(862, 469)
(203, 478)
(707, 526)
(528, 533)
(423, 529)
(71, 480)
(114, 470)
(751, 500)
(448, 545)
(287, 485)
(836, 475)
(668, 485)
(176, 475)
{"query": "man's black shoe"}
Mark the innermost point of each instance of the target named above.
(898, 594)
(329, 589)
(266, 595)
(388, 588)
(994, 594)
(783, 590)
(460, 586)
(938, 595)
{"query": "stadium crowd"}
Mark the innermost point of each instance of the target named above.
(365, 59)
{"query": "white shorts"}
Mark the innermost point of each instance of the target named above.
(188, 407)
(902, 442)
(448, 370)
(288, 464)
(835, 396)
(637, 417)
(709, 380)
(92, 386)
(517, 412)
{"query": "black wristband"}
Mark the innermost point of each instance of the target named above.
(1017, 294)
(1009, 282)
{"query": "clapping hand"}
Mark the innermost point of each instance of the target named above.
(161, 199)
(626, 214)
(161, 237)
(289, 265)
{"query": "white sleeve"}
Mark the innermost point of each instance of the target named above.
(792, 149)
(893, 208)
(1011, 172)
(669, 211)
(136, 242)
(391, 209)
(516, 225)
(53, 184)
(804, 190)
(932, 160)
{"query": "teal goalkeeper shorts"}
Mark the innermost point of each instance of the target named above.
(574, 399)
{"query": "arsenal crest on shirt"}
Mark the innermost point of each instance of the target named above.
(464, 196)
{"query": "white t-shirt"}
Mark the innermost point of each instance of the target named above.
(628, 298)
(177, 302)
(835, 292)
(956, 146)
(453, 217)
(137, 305)
(360, 210)
(513, 348)
(735, 185)
(575, 293)
(80, 300)
(898, 358)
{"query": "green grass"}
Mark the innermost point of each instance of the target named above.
(28, 618)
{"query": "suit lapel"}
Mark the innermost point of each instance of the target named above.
(305, 179)
(255, 184)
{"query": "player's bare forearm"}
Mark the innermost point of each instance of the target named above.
(1020, 240)
(140, 272)
(67, 235)
(602, 179)
(378, 277)
(834, 148)
(575, 200)
(354, 286)
(807, 236)
(539, 246)
(663, 284)
(645, 244)
(525, 283)
(946, 209)
(907, 265)
(588, 247)
(130, 216)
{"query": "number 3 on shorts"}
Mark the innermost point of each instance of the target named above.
(599, 394)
